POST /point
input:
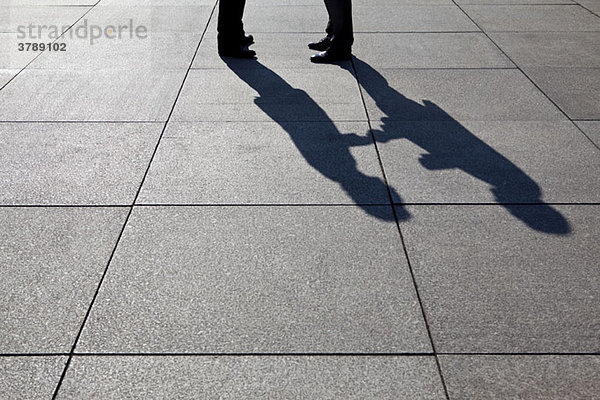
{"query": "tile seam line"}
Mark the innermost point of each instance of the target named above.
(425, 204)
(54, 41)
(131, 122)
(413, 32)
(573, 4)
(49, 354)
(250, 205)
(301, 354)
(99, 286)
(163, 121)
(587, 9)
(55, 5)
(189, 121)
(516, 354)
(449, 32)
(522, 4)
(89, 309)
(528, 77)
(356, 32)
(230, 121)
(220, 354)
(401, 236)
(386, 68)
(254, 354)
(65, 205)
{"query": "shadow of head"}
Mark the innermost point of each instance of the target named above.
(541, 217)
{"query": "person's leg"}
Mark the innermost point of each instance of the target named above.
(324, 43)
(340, 44)
(232, 41)
(340, 15)
(230, 27)
(329, 28)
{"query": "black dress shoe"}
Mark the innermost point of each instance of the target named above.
(321, 45)
(328, 57)
(238, 51)
(247, 40)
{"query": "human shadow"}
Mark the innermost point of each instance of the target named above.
(319, 140)
(449, 145)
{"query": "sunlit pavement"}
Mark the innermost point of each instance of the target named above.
(421, 222)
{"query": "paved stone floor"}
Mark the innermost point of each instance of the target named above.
(419, 223)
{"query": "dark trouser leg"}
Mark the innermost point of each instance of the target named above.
(340, 16)
(230, 27)
(329, 29)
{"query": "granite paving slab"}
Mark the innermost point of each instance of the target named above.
(158, 3)
(74, 163)
(252, 377)
(265, 163)
(591, 129)
(20, 3)
(152, 18)
(158, 51)
(500, 161)
(294, 18)
(59, 95)
(285, 3)
(514, 2)
(518, 279)
(532, 18)
(389, 3)
(575, 90)
(259, 93)
(420, 18)
(29, 377)
(447, 95)
(6, 75)
(257, 279)
(38, 23)
(10, 56)
(52, 261)
(551, 49)
(429, 50)
(522, 377)
(591, 5)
